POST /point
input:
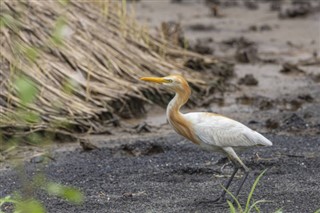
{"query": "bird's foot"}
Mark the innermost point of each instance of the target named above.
(220, 200)
(223, 201)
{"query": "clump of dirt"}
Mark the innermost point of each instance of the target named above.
(281, 104)
(248, 80)
(142, 127)
(293, 122)
(87, 145)
(293, 103)
(251, 4)
(247, 54)
(222, 3)
(272, 123)
(246, 50)
(289, 104)
(306, 97)
(298, 9)
(195, 171)
(289, 68)
(139, 149)
(275, 5)
(315, 77)
(201, 27)
(176, 1)
(238, 42)
(224, 70)
(245, 100)
(313, 60)
(173, 33)
(195, 64)
(215, 11)
(260, 28)
(263, 103)
(202, 47)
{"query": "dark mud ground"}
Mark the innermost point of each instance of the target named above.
(275, 91)
(169, 174)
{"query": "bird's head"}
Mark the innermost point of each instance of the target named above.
(174, 83)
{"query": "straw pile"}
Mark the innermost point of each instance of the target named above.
(85, 59)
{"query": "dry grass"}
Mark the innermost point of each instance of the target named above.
(85, 60)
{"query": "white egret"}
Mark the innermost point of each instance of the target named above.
(210, 131)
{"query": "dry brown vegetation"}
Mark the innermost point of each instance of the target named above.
(85, 60)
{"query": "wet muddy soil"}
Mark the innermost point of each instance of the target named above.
(276, 58)
(169, 174)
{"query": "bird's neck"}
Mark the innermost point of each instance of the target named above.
(180, 98)
(176, 119)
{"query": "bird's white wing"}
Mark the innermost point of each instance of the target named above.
(222, 132)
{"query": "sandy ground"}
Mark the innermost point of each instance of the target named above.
(158, 171)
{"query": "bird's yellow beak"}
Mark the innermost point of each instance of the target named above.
(154, 79)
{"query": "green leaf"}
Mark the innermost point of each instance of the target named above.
(31, 53)
(254, 205)
(64, 2)
(73, 195)
(54, 188)
(231, 207)
(252, 190)
(7, 20)
(27, 90)
(6, 199)
(234, 198)
(30, 117)
(70, 85)
(57, 35)
(2, 22)
(35, 138)
(30, 206)
(69, 193)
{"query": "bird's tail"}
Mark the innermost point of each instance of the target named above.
(264, 141)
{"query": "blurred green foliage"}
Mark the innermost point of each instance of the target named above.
(27, 91)
(31, 53)
(64, 2)
(7, 20)
(32, 205)
(22, 206)
(250, 204)
(69, 193)
(58, 32)
(70, 86)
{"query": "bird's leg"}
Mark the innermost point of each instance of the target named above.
(237, 165)
(222, 197)
(246, 173)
